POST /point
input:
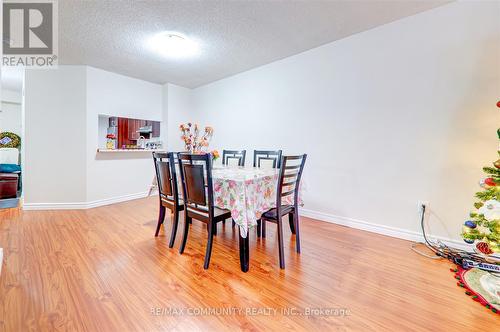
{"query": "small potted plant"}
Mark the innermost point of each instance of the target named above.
(215, 155)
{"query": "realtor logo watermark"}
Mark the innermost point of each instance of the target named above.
(29, 33)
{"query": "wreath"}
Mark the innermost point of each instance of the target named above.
(9, 140)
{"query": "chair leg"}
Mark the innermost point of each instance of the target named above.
(161, 219)
(297, 230)
(291, 218)
(263, 228)
(175, 222)
(208, 253)
(280, 244)
(215, 230)
(187, 221)
(259, 226)
(234, 224)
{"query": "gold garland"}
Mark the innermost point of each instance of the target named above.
(13, 142)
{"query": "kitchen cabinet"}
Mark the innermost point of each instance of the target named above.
(122, 132)
(156, 129)
(133, 127)
(128, 131)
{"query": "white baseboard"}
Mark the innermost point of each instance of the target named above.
(399, 233)
(83, 205)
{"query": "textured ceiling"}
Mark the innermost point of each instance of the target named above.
(234, 35)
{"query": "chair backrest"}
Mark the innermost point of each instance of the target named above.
(196, 179)
(231, 157)
(289, 178)
(166, 175)
(271, 159)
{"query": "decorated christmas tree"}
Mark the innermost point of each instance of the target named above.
(484, 224)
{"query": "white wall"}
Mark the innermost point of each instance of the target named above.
(389, 117)
(55, 135)
(11, 112)
(179, 111)
(119, 95)
(11, 96)
(62, 166)
(117, 175)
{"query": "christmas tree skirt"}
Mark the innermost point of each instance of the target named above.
(483, 286)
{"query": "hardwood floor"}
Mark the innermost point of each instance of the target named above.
(103, 270)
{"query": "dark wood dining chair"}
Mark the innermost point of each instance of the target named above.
(288, 184)
(237, 155)
(272, 158)
(197, 187)
(168, 192)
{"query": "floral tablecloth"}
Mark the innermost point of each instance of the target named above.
(246, 192)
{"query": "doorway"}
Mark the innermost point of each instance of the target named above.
(11, 136)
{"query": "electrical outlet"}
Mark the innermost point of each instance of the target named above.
(420, 203)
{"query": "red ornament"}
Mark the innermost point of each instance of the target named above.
(498, 104)
(484, 248)
(490, 182)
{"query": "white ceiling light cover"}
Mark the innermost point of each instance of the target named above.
(173, 45)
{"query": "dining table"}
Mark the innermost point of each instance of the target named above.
(247, 192)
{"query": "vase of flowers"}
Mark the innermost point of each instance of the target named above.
(193, 141)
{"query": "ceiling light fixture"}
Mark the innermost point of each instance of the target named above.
(173, 45)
